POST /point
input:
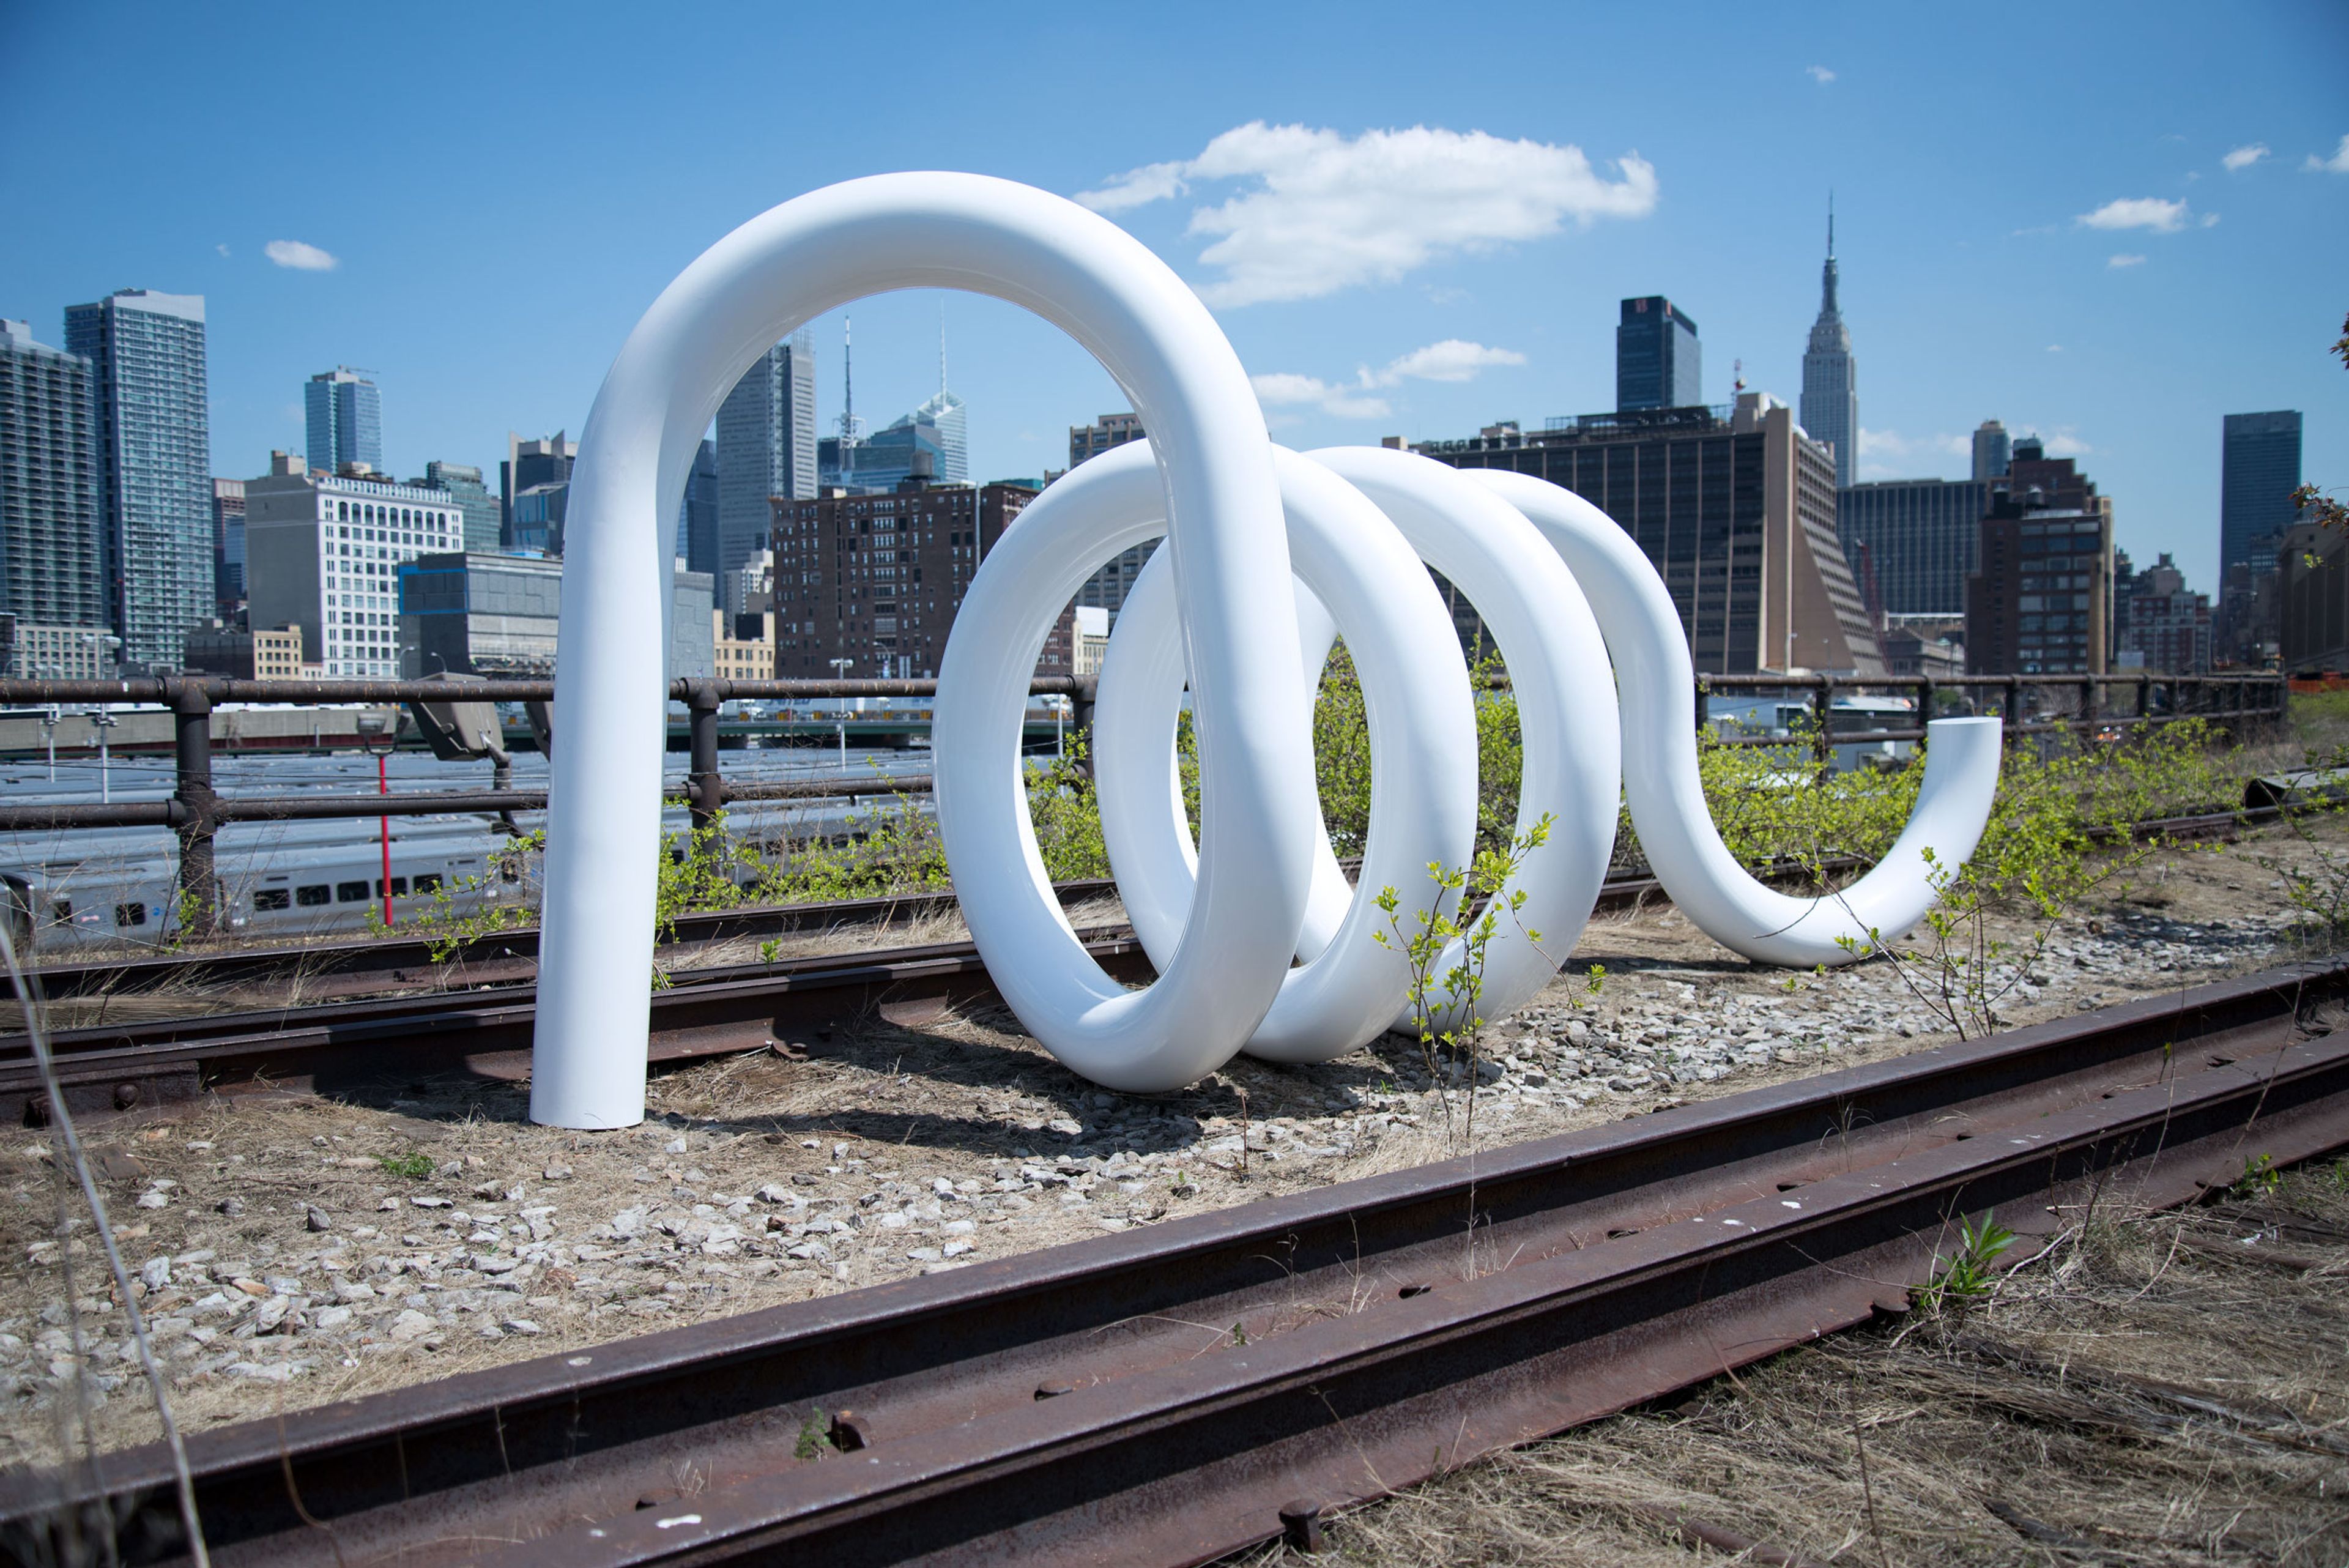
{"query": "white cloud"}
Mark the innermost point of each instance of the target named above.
(2139, 212)
(1322, 212)
(2210, 220)
(1453, 360)
(2063, 443)
(2242, 158)
(222, 248)
(2126, 261)
(299, 257)
(2338, 163)
(2054, 348)
(1819, 73)
(1888, 454)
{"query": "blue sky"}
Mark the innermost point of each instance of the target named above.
(1440, 241)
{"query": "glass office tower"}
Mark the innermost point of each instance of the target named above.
(344, 414)
(2260, 469)
(1658, 364)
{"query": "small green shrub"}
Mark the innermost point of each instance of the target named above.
(415, 1164)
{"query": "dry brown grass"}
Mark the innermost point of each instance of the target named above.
(2027, 1430)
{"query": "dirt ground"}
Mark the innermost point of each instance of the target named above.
(294, 1250)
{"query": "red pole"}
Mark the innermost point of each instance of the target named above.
(383, 786)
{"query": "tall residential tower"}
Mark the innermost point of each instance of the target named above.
(52, 568)
(155, 483)
(1830, 405)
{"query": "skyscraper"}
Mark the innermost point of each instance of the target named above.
(228, 548)
(1738, 516)
(155, 493)
(2260, 469)
(1106, 589)
(463, 483)
(530, 465)
(344, 412)
(1830, 409)
(947, 412)
(52, 559)
(1921, 536)
(766, 447)
(697, 514)
(1658, 364)
(1992, 451)
(2039, 601)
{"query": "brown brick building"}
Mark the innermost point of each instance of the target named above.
(876, 579)
(2041, 601)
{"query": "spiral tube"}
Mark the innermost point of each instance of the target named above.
(1260, 942)
(1563, 592)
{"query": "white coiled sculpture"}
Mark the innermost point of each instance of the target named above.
(1259, 942)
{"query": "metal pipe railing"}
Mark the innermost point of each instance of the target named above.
(196, 811)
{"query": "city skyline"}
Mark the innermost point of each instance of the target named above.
(2072, 272)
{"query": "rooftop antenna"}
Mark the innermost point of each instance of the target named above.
(942, 348)
(850, 434)
(1831, 223)
(1737, 369)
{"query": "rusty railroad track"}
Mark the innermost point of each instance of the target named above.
(472, 1011)
(1172, 1394)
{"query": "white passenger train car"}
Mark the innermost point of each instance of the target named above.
(93, 888)
(98, 888)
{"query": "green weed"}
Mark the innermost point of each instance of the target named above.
(1970, 1276)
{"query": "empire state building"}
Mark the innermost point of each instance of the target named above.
(1830, 409)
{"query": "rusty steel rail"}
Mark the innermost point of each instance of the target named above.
(481, 1022)
(797, 1005)
(1172, 1394)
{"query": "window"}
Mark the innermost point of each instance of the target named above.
(269, 899)
(346, 893)
(129, 914)
(426, 881)
(310, 897)
(398, 887)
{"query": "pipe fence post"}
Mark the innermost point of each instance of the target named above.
(705, 786)
(1822, 714)
(2013, 703)
(1081, 718)
(2087, 707)
(194, 806)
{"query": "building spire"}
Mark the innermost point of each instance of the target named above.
(1827, 308)
(942, 348)
(847, 384)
